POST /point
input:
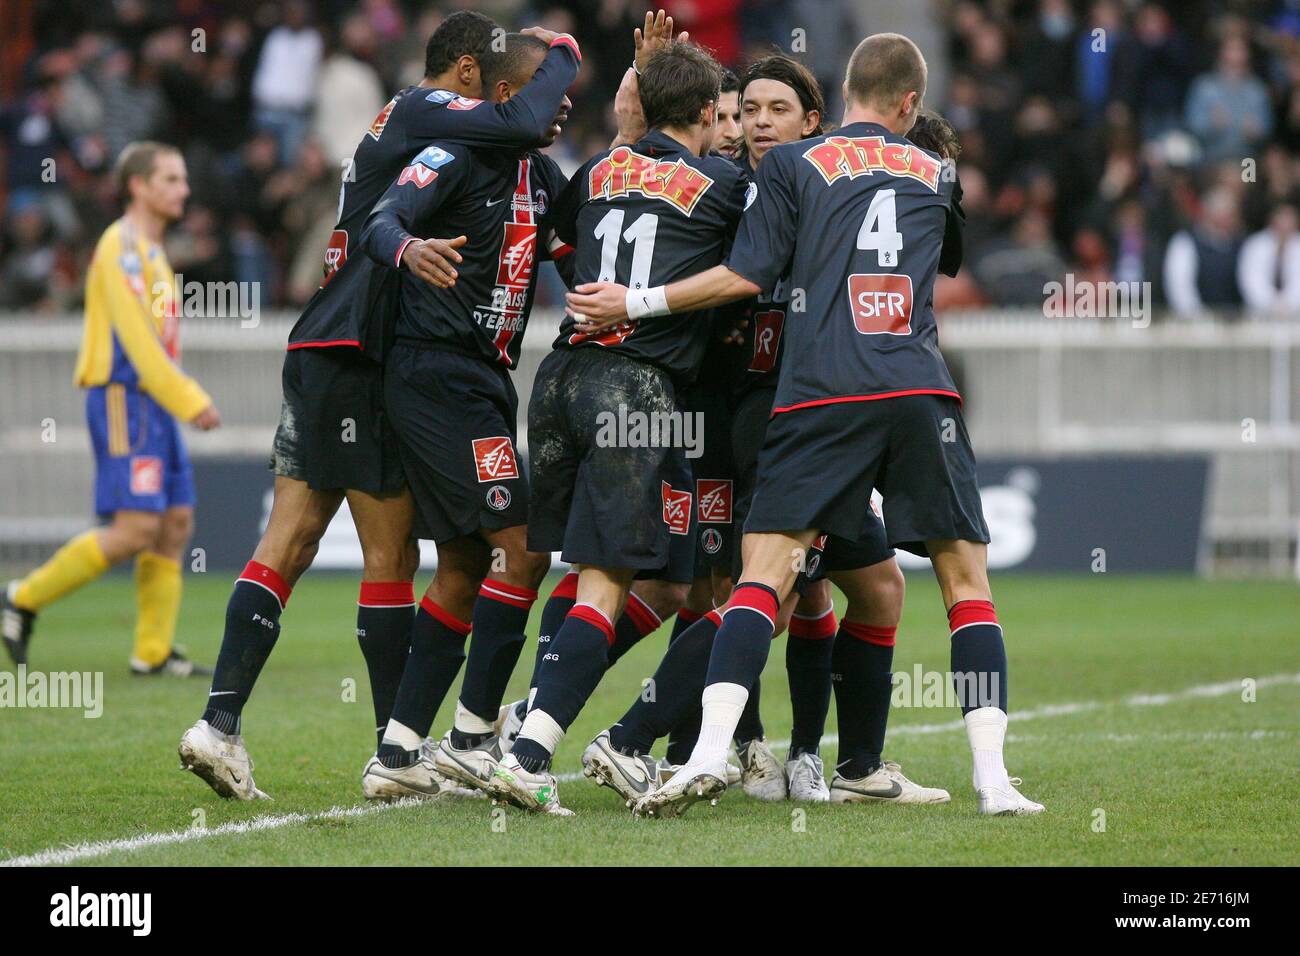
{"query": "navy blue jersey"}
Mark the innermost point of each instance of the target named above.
(646, 215)
(499, 200)
(354, 291)
(755, 361)
(860, 218)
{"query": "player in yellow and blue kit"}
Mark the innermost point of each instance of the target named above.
(136, 396)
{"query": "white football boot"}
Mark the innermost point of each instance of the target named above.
(534, 792)
(666, 771)
(473, 767)
(630, 777)
(219, 760)
(689, 785)
(761, 776)
(996, 802)
(420, 780)
(807, 779)
(886, 785)
(453, 788)
(508, 724)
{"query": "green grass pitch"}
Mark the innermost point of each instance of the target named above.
(1158, 761)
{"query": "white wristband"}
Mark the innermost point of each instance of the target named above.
(645, 303)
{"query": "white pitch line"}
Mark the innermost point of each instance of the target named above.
(88, 851)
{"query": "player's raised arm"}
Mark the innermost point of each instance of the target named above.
(388, 236)
(655, 36)
(520, 122)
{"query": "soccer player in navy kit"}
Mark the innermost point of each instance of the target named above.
(614, 503)
(863, 386)
(450, 398)
(334, 441)
(782, 102)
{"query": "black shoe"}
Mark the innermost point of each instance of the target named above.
(15, 625)
(176, 665)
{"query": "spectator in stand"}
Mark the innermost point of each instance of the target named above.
(284, 85)
(1269, 268)
(1016, 273)
(1103, 52)
(1161, 71)
(1049, 50)
(1229, 109)
(1201, 262)
(349, 93)
(1137, 249)
(34, 276)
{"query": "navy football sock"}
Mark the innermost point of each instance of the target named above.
(385, 610)
(554, 611)
(674, 704)
(808, 663)
(750, 726)
(252, 627)
(500, 617)
(739, 653)
(576, 662)
(684, 619)
(685, 733)
(979, 657)
(638, 620)
(745, 638)
(437, 651)
(860, 662)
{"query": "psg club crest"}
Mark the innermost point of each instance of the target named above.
(494, 459)
(711, 540)
(498, 497)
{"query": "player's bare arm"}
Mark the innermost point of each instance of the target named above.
(598, 305)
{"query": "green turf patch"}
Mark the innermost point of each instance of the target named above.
(1200, 778)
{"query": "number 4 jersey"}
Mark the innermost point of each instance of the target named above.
(863, 218)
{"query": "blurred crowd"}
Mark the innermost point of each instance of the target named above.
(1129, 142)
(1115, 140)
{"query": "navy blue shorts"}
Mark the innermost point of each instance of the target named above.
(819, 464)
(717, 537)
(334, 432)
(141, 463)
(603, 493)
(454, 417)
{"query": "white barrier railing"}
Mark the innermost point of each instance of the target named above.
(1032, 386)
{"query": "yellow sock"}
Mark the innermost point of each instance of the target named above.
(78, 562)
(158, 603)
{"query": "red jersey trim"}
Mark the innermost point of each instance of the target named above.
(868, 398)
(324, 345)
(397, 259)
(565, 39)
